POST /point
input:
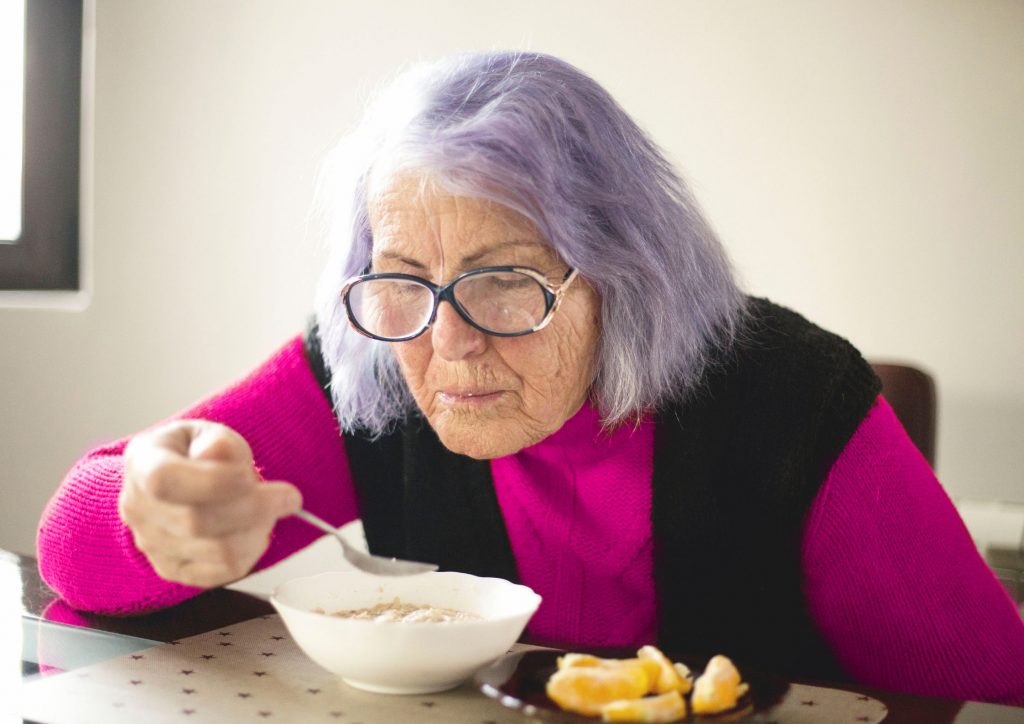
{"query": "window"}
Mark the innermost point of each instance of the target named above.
(40, 60)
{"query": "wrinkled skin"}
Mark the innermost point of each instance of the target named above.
(195, 505)
(191, 496)
(485, 396)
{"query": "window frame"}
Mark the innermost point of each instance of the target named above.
(47, 254)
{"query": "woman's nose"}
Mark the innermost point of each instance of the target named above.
(453, 338)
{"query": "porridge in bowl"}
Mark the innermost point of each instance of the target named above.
(399, 612)
(423, 643)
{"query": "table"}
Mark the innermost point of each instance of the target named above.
(75, 640)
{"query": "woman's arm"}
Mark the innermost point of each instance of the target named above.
(896, 585)
(86, 552)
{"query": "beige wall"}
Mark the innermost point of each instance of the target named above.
(862, 160)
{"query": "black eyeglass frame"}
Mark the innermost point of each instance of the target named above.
(553, 296)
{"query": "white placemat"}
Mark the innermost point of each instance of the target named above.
(254, 672)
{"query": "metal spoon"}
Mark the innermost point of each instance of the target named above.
(377, 565)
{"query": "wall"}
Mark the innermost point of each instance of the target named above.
(862, 160)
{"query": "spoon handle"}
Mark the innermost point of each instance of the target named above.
(377, 565)
(317, 522)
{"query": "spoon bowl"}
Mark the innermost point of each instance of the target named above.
(366, 562)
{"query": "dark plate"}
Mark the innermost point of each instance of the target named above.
(517, 681)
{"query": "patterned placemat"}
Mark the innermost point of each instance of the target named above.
(804, 704)
(254, 672)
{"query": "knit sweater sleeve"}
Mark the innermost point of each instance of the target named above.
(86, 553)
(894, 582)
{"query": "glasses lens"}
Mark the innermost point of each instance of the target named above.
(504, 302)
(390, 308)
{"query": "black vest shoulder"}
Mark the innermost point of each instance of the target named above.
(737, 464)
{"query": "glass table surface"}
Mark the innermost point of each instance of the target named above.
(40, 634)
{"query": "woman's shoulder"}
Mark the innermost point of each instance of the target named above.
(773, 331)
(779, 353)
(786, 390)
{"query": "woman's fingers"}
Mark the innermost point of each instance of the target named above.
(282, 498)
(169, 478)
(209, 562)
(211, 441)
(190, 462)
(195, 504)
(179, 436)
(262, 506)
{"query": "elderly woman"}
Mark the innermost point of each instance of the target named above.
(530, 360)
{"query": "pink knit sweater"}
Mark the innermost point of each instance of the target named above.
(892, 579)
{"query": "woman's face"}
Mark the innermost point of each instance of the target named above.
(484, 396)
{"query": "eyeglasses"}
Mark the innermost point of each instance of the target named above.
(504, 301)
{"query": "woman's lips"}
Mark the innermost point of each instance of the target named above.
(468, 397)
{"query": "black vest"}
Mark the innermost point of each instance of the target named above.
(736, 467)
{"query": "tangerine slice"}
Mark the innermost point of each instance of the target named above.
(585, 689)
(669, 678)
(683, 670)
(662, 708)
(569, 660)
(652, 667)
(718, 688)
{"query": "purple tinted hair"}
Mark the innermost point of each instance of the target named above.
(535, 133)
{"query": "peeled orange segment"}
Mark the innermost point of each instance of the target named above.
(663, 708)
(722, 668)
(668, 677)
(585, 689)
(653, 668)
(718, 688)
(570, 660)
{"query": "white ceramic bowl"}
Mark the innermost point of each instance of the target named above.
(403, 658)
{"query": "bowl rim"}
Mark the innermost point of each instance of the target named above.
(528, 611)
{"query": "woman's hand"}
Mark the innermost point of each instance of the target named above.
(195, 504)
